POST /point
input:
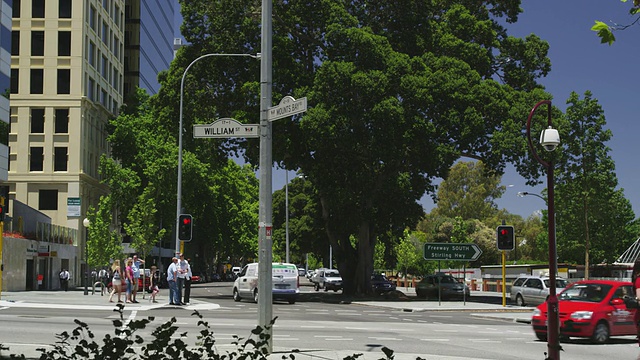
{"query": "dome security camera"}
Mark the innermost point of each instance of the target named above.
(550, 139)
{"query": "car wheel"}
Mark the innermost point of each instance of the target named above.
(292, 301)
(520, 300)
(255, 296)
(236, 295)
(541, 336)
(600, 333)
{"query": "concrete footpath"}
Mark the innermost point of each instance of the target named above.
(95, 301)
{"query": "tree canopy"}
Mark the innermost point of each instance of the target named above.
(397, 93)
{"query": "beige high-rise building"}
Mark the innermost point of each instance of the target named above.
(67, 78)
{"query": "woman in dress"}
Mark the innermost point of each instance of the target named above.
(116, 281)
(154, 281)
(128, 276)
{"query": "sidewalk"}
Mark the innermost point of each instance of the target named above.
(95, 301)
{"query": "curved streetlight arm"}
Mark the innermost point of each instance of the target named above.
(525, 193)
(531, 147)
(180, 129)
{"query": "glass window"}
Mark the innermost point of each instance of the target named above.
(92, 18)
(37, 9)
(48, 200)
(61, 121)
(15, 76)
(64, 81)
(16, 9)
(60, 159)
(15, 43)
(37, 76)
(36, 159)
(64, 43)
(105, 33)
(37, 121)
(92, 54)
(105, 68)
(91, 85)
(37, 43)
(64, 10)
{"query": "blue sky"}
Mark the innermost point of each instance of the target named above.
(579, 63)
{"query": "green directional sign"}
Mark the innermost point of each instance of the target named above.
(451, 251)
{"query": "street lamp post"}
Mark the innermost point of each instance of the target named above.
(286, 214)
(180, 130)
(86, 222)
(549, 139)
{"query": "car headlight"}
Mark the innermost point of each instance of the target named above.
(537, 312)
(582, 315)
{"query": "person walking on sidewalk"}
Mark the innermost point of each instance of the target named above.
(64, 279)
(172, 273)
(136, 276)
(116, 281)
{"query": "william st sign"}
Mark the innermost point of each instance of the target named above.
(225, 128)
(451, 251)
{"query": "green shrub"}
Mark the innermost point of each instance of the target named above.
(126, 344)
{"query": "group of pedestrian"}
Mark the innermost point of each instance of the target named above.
(126, 280)
(179, 277)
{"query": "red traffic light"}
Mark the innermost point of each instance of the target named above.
(186, 220)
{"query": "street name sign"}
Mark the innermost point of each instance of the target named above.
(288, 106)
(451, 251)
(225, 128)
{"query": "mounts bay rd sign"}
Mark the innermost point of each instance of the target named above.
(451, 251)
(288, 106)
(225, 128)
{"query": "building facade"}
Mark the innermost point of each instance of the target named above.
(5, 84)
(67, 79)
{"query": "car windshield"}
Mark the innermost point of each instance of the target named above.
(331, 273)
(560, 283)
(585, 292)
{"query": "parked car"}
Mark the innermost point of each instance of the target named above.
(441, 286)
(327, 279)
(533, 290)
(216, 277)
(302, 272)
(285, 283)
(380, 284)
(196, 279)
(590, 308)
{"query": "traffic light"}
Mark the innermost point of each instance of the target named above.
(506, 237)
(185, 226)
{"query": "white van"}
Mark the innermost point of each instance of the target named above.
(285, 285)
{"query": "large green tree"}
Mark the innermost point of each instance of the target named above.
(595, 220)
(398, 92)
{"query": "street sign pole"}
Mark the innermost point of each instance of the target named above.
(265, 255)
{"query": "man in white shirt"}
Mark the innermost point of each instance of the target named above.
(183, 270)
(64, 279)
(172, 273)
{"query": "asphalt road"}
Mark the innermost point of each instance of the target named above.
(318, 322)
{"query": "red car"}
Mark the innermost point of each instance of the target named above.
(592, 309)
